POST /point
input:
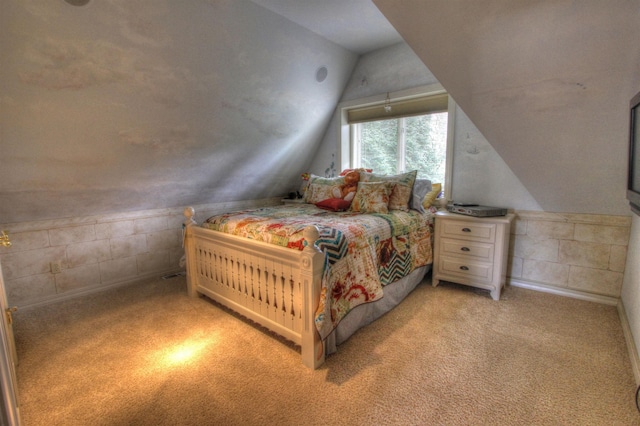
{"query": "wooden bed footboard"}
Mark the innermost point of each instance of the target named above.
(277, 287)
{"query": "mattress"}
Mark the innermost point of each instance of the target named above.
(363, 252)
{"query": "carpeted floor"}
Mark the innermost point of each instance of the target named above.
(148, 354)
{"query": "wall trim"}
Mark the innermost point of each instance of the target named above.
(134, 215)
(72, 294)
(586, 218)
(590, 297)
(631, 346)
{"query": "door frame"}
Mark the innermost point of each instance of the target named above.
(8, 378)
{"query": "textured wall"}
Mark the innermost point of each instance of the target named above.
(548, 83)
(96, 252)
(573, 252)
(120, 105)
(479, 173)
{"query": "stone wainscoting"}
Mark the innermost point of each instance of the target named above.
(96, 252)
(575, 254)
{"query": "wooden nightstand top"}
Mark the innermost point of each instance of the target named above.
(456, 216)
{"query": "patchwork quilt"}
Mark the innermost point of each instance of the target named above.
(364, 252)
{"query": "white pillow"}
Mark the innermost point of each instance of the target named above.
(421, 188)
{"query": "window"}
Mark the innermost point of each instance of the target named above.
(416, 134)
(402, 144)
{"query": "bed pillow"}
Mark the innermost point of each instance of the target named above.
(321, 188)
(334, 204)
(372, 197)
(431, 196)
(360, 170)
(402, 187)
(420, 189)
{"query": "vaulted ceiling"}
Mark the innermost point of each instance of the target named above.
(356, 25)
(548, 83)
(120, 105)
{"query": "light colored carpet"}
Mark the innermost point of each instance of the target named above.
(447, 356)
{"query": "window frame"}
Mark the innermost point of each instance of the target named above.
(346, 150)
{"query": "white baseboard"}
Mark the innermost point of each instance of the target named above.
(606, 300)
(97, 289)
(631, 345)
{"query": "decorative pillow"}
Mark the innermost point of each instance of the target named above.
(402, 189)
(348, 190)
(334, 204)
(321, 188)
(345, 171)
(372, 197)
(432, 195)
(420, 189)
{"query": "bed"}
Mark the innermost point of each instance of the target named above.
(316, 271)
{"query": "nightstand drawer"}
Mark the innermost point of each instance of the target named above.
(469, 230)
(474, 270)
(467, 249)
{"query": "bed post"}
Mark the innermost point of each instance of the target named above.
(311, 271)
(187, 239)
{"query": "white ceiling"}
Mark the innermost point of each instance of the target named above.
(356, 25)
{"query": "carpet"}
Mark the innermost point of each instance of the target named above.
(147, 354)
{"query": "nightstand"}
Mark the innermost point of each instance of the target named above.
(471, 251)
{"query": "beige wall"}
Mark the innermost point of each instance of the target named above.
(137, 105)
(571, 253)
(96, 252)
(579, 253)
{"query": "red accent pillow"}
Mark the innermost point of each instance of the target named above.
(334, 204)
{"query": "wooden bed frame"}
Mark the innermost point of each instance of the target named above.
(277, 287)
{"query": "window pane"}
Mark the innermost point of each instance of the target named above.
(426, 145)
(378, 146)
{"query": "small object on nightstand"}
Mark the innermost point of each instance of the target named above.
(442, 203)
(292, 200)
(476, 210)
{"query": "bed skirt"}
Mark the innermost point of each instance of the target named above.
(366, 313)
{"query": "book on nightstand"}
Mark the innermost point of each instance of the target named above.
(476, 210)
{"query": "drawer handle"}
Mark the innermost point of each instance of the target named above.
(466, 230)
(465, 249)
(464, 268)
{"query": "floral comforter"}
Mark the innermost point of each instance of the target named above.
(364, 252)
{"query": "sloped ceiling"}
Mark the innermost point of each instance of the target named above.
(356, 25)
(548, 84)
(119, 105)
